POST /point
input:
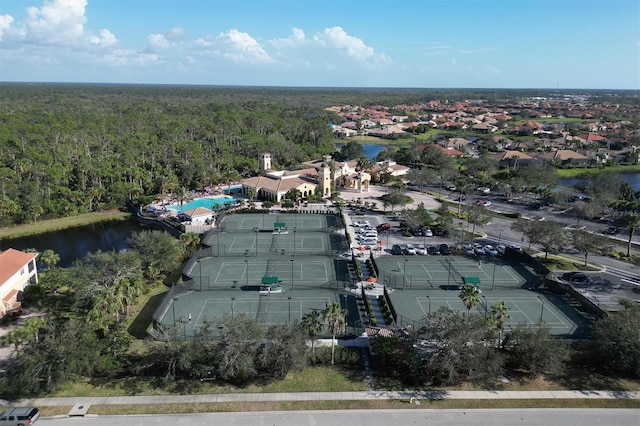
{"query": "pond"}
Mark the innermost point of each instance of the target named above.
(75, 243)
(632, 179)
(371, 150)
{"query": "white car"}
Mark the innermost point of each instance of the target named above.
(411, 249)
(501, 248)
(486, 203)
(428, 232)
(361, 224)
(484, 190)
(420, 249)
(490, 250)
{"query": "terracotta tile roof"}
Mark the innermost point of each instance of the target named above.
(449, 151)
(11, 260)
(511, 154)
(567, 154)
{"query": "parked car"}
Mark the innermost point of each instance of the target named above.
(501, 248)
(410, 249)
(361, 224)
(428, 232)
(612, 230)
(19, 416)
(576, 277)
(439, 232)
(461, 198)
(490, 250)
(444, 250)
(486, 203)
(418, 232)
(452, 188)
(433, 250)
(484, 190)
(479, 249)
(420, 249)
(398, 249)
(383, 226)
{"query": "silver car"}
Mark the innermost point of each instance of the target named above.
(19, 416)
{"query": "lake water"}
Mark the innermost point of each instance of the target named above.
(632, 179)
(370, 149)
(75, 243)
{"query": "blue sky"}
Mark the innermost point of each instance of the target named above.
(590, 44)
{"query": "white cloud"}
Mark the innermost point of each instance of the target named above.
(176, 33)
(157, 42)
(479, 50)
(5, 24)
(106, 38)
(57, 21)
(241, 47)
(337, 38)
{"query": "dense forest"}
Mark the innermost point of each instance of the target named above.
(70, 149)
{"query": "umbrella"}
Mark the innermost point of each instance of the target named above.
(371, 279)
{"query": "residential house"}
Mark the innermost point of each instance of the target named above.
(484, 128)
(17, 270)
(451, 152)
(387, 167)
(513, 159)
(566, 158)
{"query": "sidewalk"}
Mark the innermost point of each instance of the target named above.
(321, 396)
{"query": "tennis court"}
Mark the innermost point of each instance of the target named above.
(291, 273)
(449, 272)
(421, 286)
(282, 241)
(289, 221)
(272, 267)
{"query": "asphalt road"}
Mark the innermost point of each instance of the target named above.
(524, 417)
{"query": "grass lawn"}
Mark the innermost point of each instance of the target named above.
(62, 223)
(581, 172)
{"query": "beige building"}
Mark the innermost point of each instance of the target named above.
(318, 177)
(17, 271)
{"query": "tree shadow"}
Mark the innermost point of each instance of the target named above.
(140, 324)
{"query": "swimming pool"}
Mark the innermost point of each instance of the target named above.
(207, 202)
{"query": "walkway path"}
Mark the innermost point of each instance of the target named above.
(321, 396)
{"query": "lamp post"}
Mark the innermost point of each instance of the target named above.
(173, 308)
(541, 309)
(289, 309)
(493, 279)
(255, 229)
(486, 306)
(294, 240)
(404, 273)
(429, 299)
(500, 236)
(291, 274)
(448, 271)
(246, 271)
(233, 302)
(200, 267)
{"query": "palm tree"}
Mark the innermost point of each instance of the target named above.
(33, 326)
(313, 324)
(49, 258)
(14, 337)
(630, 218)
(470, 296)
(364, 164)
(499, 313)
(183, 195)
(336, 320)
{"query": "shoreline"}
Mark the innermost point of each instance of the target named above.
(50, 225)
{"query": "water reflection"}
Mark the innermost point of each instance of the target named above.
(75, 243)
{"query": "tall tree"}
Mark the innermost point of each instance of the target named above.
(498, 314)
(587, 242)
(335, 319)
(312, 323)
(49, 258)
(470, 296)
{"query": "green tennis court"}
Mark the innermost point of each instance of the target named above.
(445, 272)
(272, 267)
(291, 221)
(418, 286)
